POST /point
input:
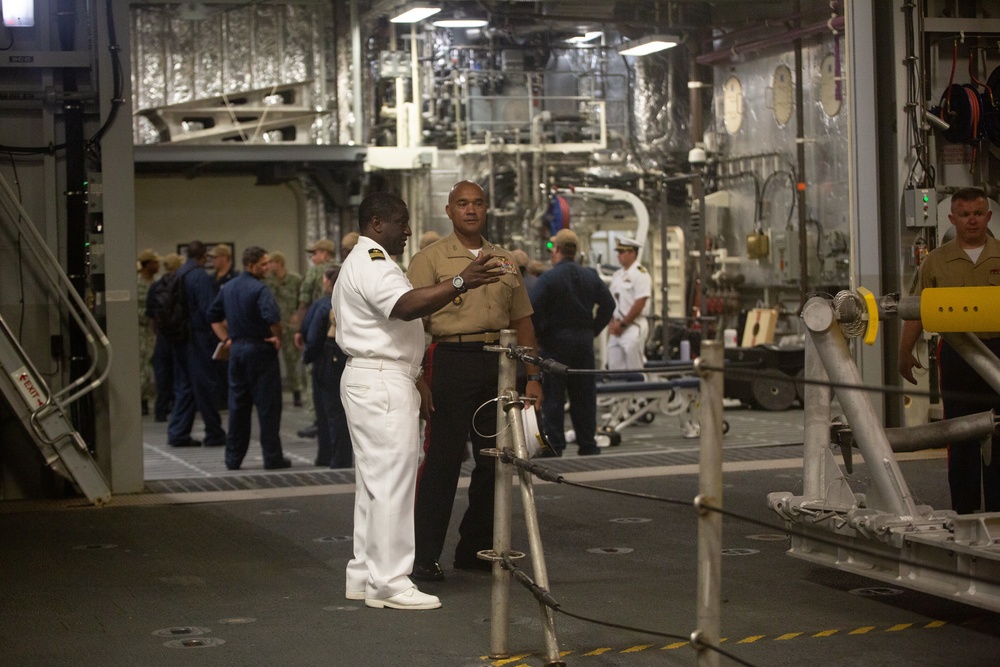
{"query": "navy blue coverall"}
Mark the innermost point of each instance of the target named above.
(194, 381)
(328, 363)
(163, 358)
(565, 325)
(249, 308)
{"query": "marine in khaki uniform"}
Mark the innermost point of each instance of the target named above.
(463, 376)
(285, 284)
(148, 265)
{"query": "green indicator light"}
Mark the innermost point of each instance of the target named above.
(549, 245)
(926, 199)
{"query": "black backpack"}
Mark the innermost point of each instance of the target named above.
(170, 309)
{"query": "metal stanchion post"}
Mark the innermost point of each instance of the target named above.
(816, 399)
(709, 493)
(503, 492)
(520, 449)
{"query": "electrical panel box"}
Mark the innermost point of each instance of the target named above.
(920, 207)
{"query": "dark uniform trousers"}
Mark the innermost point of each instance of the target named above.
(335, 449)
(462, 377)
(194, 383)
(163, 375)
(575, 348)
(254, 381)
(964, 392)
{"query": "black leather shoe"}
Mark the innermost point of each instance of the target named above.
(278, 465)
(429, 571)
(307, 432)
(588, 451)
(473, 563)
(190, 442)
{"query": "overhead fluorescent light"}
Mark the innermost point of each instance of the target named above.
(460, 20)
(587, 37)
(648, 44)
(19, 13)
(415, 15)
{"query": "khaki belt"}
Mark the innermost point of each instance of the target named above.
(484, 337)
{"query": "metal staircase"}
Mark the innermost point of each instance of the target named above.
(44, 413)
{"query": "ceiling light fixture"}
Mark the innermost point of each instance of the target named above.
(648, 44)
(18, 13)
(460, 19)
(415, 15)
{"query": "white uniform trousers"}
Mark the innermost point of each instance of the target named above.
(625, 351)
(383, 416)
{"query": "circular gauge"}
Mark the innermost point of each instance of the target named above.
(830, 90)
(782, 96)
(732, 104)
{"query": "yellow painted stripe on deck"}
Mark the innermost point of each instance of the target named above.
(514, 658)
(826, 633)
(900, 626)
(636, 649)
(935, 624)
(787, 636)
(861, 631)
(599, 651)
(751, 639)
(671, 647)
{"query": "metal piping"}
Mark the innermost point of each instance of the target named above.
(836, 23)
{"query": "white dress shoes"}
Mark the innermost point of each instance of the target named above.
(408, 599)
(355, 595)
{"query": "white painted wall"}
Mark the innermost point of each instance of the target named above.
(215, 209)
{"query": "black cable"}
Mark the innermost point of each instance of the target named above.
(507, 457)
(116, 78)
(618, 626)
(741, 372)
(792, 182)
(543, 596)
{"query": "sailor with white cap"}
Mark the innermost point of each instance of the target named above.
(631, 287)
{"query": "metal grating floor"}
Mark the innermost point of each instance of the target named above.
(752, 436)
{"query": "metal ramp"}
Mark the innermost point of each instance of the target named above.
(43, 412)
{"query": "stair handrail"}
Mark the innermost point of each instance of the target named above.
(61, 285)
(36, 377)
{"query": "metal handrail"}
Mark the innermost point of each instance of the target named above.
(61, 286)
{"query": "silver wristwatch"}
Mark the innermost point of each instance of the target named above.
(459, 283)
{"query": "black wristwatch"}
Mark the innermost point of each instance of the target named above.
(458, 282)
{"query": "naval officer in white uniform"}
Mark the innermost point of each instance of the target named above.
(378, 326)
(631, 285)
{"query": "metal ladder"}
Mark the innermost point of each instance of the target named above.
(42, 411)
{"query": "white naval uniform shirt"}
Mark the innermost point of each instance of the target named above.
(363, 297)
(629, 285)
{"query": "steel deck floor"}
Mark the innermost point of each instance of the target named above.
(255, 575)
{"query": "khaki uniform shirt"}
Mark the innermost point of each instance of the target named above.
(488, 308)
(950, 266)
